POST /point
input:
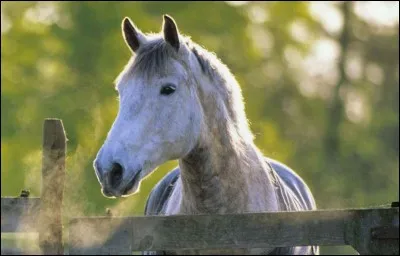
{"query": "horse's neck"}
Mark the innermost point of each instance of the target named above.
(225, 183)
(208, 182)
(224, 174)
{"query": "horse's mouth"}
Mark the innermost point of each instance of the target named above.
(126, 190)
(131, 184)
(107, 193)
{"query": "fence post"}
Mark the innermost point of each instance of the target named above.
(53, 172)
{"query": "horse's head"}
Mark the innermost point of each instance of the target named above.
(159, 117)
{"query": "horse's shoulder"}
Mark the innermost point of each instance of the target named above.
(294, 182)
(161, 192)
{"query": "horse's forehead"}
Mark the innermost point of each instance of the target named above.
(175, 67)
(173, 70)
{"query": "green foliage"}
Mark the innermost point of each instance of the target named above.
(59, 59)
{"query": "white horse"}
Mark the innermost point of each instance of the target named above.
(178, 101)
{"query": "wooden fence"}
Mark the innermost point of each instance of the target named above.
(369, 231)
(42, 215)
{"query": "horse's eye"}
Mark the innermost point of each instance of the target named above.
(168, 89)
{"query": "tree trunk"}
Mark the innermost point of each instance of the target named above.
(335, 111)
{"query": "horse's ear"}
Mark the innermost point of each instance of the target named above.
(171, 33)
(131, 34)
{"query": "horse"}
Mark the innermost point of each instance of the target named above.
(178, 101)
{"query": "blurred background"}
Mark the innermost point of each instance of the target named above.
(320, 81)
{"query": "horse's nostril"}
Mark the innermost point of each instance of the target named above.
(116, 175)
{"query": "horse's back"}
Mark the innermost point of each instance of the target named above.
(295, 183)
(159, 195)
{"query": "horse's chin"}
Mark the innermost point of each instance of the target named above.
(108, 194)
(132, 188)
(133, 191)
(135, 187)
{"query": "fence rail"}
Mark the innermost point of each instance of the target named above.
(369, 231)
(253, 230)
(19, 214)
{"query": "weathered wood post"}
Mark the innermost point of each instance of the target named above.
(53, 172)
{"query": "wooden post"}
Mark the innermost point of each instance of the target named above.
(53, 172)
